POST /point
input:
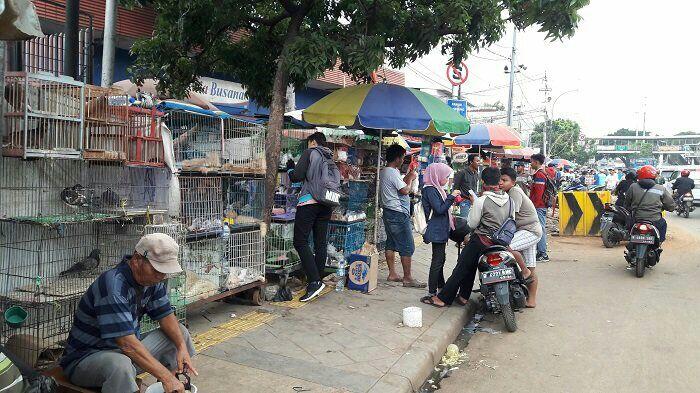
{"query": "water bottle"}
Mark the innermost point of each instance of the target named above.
(340, 273)
(226, 231)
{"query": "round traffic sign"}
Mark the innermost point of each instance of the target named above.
(581, 137)
(457, 75)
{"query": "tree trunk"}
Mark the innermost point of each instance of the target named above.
(276, 123)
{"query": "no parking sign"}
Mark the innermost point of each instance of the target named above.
(457, 75)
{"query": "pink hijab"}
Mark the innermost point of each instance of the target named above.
(433, 174)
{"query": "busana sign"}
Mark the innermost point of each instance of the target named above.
(223, 92)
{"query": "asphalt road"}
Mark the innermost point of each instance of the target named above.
(597, 327)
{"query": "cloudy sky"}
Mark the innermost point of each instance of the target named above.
(626, 56)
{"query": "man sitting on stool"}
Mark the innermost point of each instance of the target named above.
(105, 349)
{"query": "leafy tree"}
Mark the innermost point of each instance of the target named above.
(563, 140)
(270, 44)
(628, 132)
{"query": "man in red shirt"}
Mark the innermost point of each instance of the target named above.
(537, 191)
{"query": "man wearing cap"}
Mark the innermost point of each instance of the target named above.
(105, 349)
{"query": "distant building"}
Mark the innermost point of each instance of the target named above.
(673, 150)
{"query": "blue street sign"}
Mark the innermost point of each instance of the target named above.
(458, 105)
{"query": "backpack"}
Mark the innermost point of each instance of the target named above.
(326, 189)
(550, 191)
(504, 234)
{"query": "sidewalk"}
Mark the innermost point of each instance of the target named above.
(341, 342)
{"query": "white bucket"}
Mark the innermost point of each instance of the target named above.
(158, 388)
(413, 317)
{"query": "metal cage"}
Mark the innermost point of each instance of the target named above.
(244, 199)
(197, 140)
(202, 203)
(279, 246)
(346, 237)
(145, 141)
(243, 147)
(45, 116)
(105, 132)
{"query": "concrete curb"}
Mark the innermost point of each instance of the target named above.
(415, 365)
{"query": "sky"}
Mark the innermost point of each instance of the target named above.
(628, 57)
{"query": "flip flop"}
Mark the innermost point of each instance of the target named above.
(429, 301)
(395, 280)
(461, 303)
(414, 284)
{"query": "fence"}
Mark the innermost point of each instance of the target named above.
(45, 54)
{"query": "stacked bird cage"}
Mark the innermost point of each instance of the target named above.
(197, 140)
(346, 237)
(244, 199)
(202, 206)
(145, 141)
(243, 147)
(105, 133)
(279, 246)
(45, 116)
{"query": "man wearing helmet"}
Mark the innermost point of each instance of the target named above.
(683, 184)
(646, 199)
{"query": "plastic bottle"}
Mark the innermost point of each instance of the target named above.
(340, 273)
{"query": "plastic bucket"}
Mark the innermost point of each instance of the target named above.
(158, 388)
(413, 317)
(15, 316)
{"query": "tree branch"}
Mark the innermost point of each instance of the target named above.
(270, 22)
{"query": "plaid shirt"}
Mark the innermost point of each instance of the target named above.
(109, 310)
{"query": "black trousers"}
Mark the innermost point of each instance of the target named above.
(436, 276)
(312, 218)
(462, 278)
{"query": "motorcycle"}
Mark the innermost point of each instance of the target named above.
(613, 225)
(502, 284)
(643, 249)
(684, 205)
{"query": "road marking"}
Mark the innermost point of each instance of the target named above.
(231, 329)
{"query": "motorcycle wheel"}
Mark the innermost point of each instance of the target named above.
(686, 213)
(641, 262)
(509, 317)
(609, 240)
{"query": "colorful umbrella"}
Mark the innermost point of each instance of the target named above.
(560, 162)
(385, 106)
(489, 135)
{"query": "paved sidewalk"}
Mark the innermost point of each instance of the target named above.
(340, 342)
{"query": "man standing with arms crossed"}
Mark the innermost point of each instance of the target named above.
(395, 202)
(537, 196)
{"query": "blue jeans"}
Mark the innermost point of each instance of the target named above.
(542, 244)
(464, 209)
(399, 232)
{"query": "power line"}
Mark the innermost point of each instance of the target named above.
(497, 54)
(426, 77)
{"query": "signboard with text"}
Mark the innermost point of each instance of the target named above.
(459, 105)
(223, 92)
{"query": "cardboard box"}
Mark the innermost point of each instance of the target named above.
(362, 272)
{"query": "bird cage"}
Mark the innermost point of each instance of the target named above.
(105, 133)
(197, 140)
(346, 237)
(279, 246)
(201, 204)
(243, 147)
(244, 199)
(59, 191)
(205, 263)
(44, 117)
(246, 258)
(145, 142)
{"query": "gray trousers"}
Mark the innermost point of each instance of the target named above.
(113, 372)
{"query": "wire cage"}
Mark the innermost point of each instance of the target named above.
(202, 203)
(243, 147)
(279, 246)
(45, 116)
(244, 199)
(246, 258)
(346, 237)
(145, 141)
(197, 140)
(58, 191)
(105, 133)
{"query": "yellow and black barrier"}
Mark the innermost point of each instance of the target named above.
(580, 212)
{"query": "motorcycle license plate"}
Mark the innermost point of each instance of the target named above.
(643, 239)
(687, 199)
(499, 275)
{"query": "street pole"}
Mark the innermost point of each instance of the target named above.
(544, 140)
(544, 134)
(512, 80)
(109, 38)
(70, 46)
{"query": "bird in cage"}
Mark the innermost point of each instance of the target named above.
(110, 198)
(89, 264)
(75, 196)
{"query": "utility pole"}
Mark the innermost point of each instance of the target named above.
(108, 39)
(512, 80)
(70, 46)
(547, 98)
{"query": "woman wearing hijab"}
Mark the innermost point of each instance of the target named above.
(436, 201)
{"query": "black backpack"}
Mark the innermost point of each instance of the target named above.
(504, 234)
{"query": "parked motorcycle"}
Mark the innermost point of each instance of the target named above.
(613, 225)
(684, 205)
(502, 284)
(643, 249)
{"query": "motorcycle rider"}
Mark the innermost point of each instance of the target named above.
(623, 186)
(646, 200)
(683, 185)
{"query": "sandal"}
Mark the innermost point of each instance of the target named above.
(414, 284)
(395, 280)
(429, 301)
(461, 302)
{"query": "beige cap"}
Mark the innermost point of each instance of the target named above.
(161, 251)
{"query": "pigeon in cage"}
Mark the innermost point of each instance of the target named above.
(110, 198)
(90, 263)
(75, 196)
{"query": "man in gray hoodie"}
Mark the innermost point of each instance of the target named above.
(311, 215)
(487, 214)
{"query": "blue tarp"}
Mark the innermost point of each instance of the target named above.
(170, 105)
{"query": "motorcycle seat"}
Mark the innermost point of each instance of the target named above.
(495, 248)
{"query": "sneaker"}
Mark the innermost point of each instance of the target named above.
(542, 258)
(312, 291)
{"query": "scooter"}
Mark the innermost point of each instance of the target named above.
(613, 225)
(643, 249)
(684, 205)
(502, 284)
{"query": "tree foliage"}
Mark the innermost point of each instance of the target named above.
(563, 140)
(629, 132)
